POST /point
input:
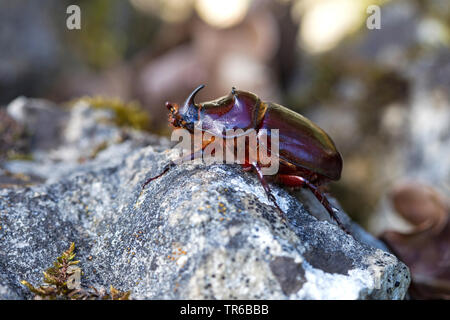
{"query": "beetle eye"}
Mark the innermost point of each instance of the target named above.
(169, 106)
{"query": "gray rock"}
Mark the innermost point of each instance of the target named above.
(198, 232)
(43, 119)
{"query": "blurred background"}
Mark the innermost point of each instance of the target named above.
(382, 95)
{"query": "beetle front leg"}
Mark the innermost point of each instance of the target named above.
(166, 168)
(268, 190)
(172, 164)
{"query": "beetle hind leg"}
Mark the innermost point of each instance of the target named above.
(298, 181)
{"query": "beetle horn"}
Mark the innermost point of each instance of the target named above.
(189, 108)
(190, 100)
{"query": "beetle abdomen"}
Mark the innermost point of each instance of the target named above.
(302, 142)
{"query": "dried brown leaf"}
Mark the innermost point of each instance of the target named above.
(426, 249)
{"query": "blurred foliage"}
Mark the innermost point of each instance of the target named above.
(116, 32)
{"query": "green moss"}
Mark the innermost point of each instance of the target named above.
(129, 114)
(62, 281)
(12, 155)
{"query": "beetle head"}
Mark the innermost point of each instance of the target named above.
(174, 116)
(185, 116)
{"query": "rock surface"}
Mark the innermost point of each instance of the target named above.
(198, 232)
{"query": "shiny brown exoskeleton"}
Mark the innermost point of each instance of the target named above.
(307, 155)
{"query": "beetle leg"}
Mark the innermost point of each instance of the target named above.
(166, 168)
(172, 164)
(298, 181)
(268, 190)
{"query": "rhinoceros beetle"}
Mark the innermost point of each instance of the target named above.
(307, 155)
